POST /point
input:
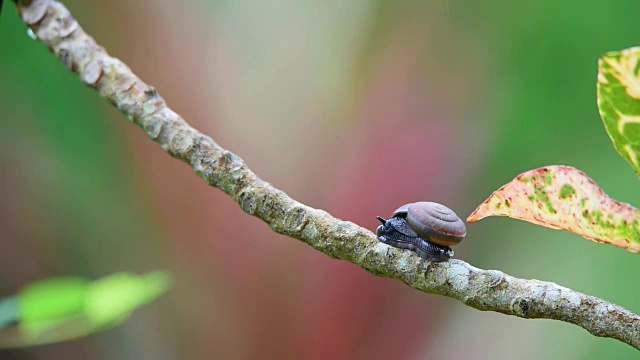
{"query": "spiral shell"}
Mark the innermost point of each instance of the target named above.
(434, 222)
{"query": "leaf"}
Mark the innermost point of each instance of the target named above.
(65, 308)
(619, 101)
(112, 299)
(51, 299)
(563, 197)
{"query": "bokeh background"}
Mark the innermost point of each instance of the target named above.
(355, 107)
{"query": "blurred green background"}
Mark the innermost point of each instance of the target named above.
(353, 106)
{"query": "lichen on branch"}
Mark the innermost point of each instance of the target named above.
(488, 290)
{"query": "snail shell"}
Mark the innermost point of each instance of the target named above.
(434, 222)
(427, 228)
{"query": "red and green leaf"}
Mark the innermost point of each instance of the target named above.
(563, 197)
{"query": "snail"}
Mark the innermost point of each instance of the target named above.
(428, 228)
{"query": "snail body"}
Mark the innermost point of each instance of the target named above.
(427, 228)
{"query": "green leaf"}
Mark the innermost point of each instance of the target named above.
(60, 309)
(619, 101)
(111, 299)
(563, 197)
(52, 299)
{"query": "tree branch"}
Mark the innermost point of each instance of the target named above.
(487, 290)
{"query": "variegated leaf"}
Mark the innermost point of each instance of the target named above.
(619, 101)
(563, 197)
